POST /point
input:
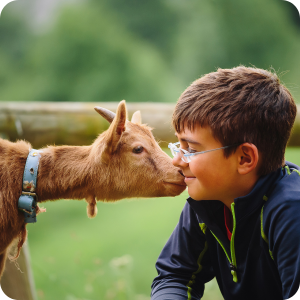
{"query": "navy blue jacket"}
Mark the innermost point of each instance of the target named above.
(262, 260)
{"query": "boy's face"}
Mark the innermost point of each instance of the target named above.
(209, 176)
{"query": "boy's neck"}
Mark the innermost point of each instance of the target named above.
(246, 184)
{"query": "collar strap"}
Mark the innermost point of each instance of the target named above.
(28, 200)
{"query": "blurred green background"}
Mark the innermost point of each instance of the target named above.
(138, 50)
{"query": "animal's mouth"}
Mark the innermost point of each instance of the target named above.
(173, 188)
(181, 183)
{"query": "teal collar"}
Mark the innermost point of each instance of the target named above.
(28, 200)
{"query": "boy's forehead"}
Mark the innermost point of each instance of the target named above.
(196, 134)
(194, 129)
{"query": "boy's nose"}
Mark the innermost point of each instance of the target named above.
(178, 162)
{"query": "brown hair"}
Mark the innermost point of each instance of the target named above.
(241, 105)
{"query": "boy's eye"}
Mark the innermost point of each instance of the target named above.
(191, 150)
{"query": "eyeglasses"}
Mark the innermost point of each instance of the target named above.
(186, 155)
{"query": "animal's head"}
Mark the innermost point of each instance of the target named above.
(134, 163)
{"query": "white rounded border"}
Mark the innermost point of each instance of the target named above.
(3, 3)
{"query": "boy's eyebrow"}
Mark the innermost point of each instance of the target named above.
(187, 140)
(190, 141)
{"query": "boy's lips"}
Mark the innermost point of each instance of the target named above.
(188, 178)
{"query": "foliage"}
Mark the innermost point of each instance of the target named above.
(143, 50)
(79, 62)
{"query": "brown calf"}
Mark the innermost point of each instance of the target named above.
(124, 161)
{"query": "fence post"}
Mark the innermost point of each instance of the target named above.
(16, 284)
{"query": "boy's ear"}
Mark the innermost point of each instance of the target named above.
(248, 158)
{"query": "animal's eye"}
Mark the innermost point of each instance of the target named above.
(138, 149)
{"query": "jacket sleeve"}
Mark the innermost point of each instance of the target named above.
(284, 242)
(184, 264)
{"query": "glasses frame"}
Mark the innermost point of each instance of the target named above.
(186, 155)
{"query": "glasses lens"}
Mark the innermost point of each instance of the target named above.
(186, 159)
(176, 150)
(171, 146)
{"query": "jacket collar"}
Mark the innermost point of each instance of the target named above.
(246, 205)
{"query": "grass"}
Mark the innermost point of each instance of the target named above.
(110, 257)
(73, 255)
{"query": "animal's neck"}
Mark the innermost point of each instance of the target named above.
(65, 173)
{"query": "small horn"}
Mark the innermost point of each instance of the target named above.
(105, 113)
(136, 118)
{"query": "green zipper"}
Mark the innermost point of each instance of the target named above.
(232, 261)
(232, 250)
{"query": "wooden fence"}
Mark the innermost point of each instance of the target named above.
(76, 123)
(44, 123)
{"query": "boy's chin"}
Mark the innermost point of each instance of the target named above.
(195, 196)
(198, 196)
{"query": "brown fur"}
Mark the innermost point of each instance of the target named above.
(107, 170)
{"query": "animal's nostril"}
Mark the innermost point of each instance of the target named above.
(180, 172)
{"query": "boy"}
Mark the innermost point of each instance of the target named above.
(241, 223)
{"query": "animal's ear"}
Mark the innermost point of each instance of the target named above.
(136, 118)
(116, 128)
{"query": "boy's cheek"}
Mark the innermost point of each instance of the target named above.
(197, 169)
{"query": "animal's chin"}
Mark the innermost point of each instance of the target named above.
(174, 188)
(179, 183)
